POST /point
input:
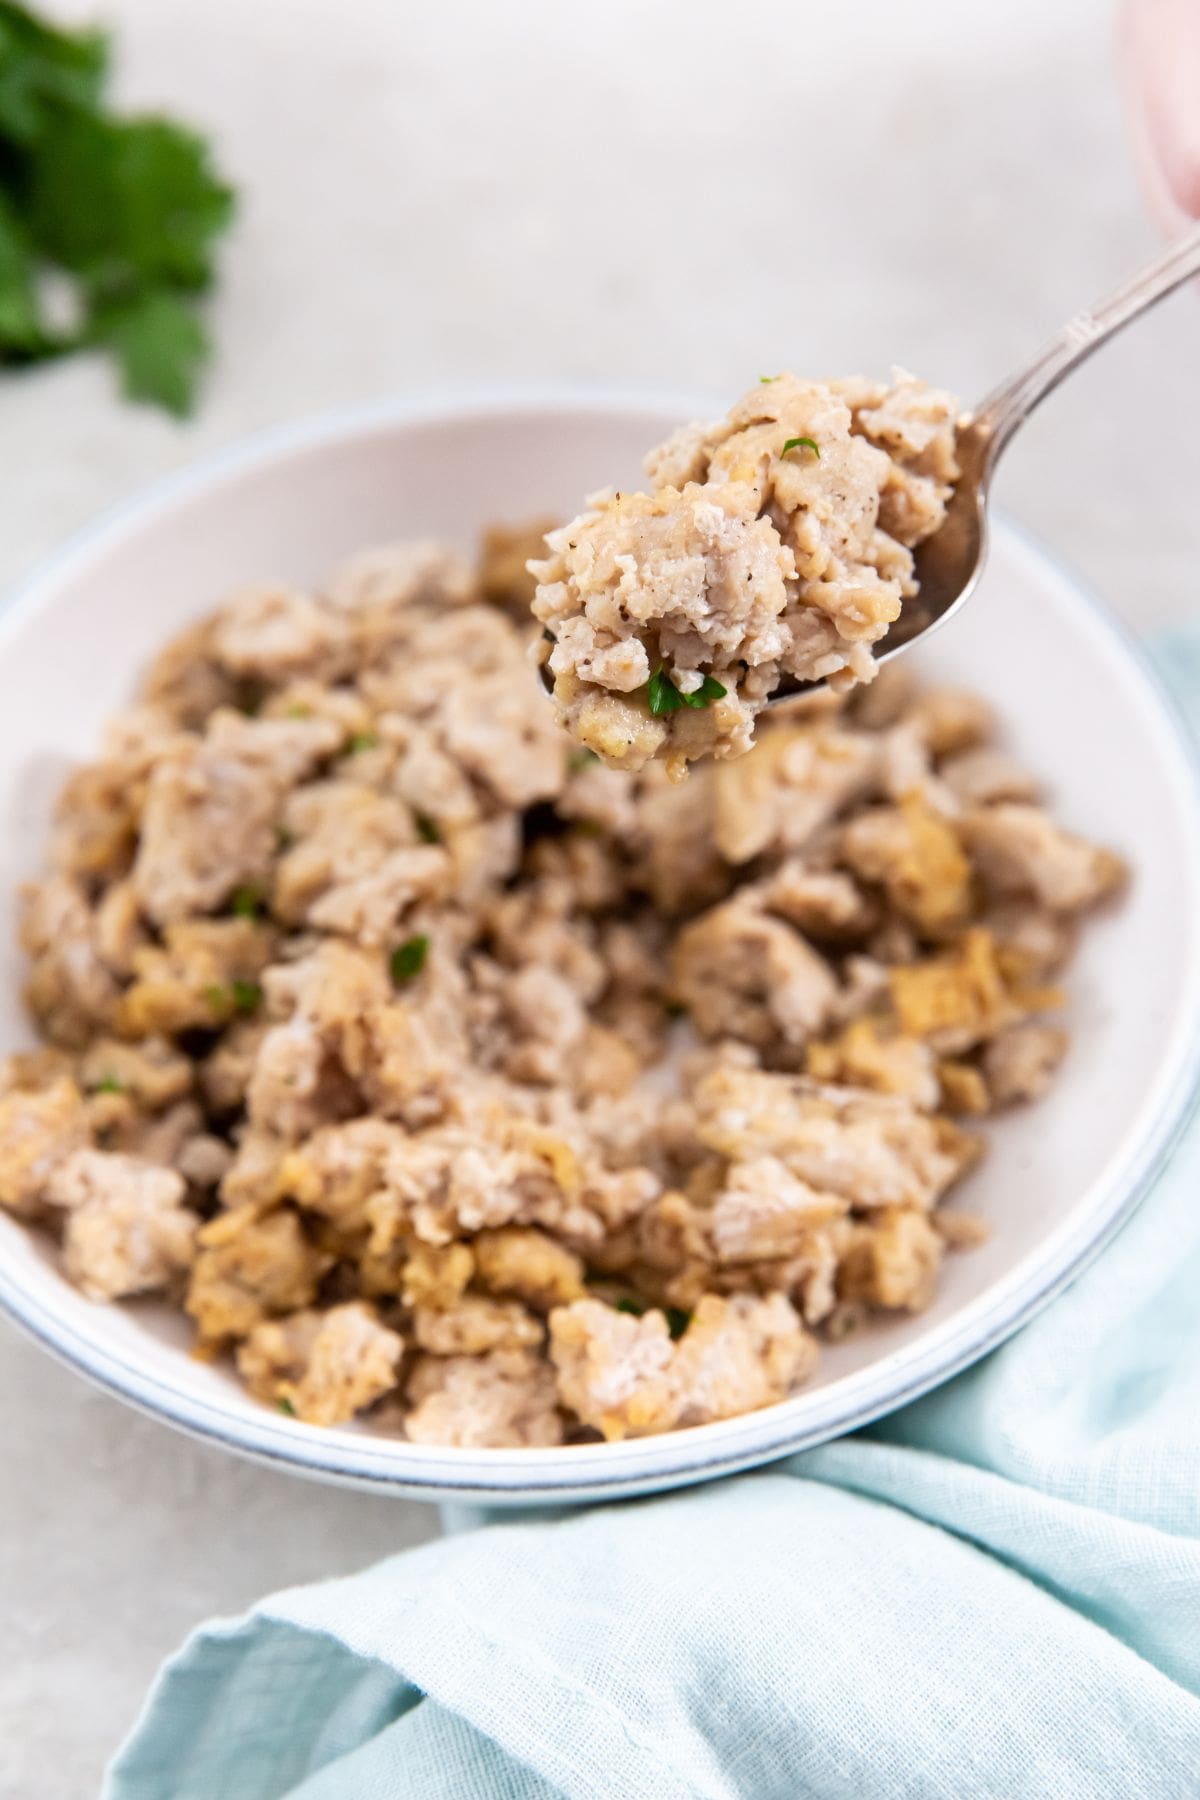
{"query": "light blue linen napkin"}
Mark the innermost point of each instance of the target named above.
(996, 1592)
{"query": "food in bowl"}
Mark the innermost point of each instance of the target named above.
(446, 1076)
(775, 543)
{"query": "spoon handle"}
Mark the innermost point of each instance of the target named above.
(1010, 404)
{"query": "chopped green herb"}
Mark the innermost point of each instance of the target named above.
(766, 378)
(362, 740)
(427, 829)
(627, 1304)
(581, 759)
(299, 711)
(408, 959)
(247, 903)
(662, 694)
(708, 691)
(284, 838)
(285, 1406)
(110, 1084)
(677, 1321)
(240, 996)
(664, 697)
(125, 212)
(807, 442)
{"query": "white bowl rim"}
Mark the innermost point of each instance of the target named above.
(611, 1471)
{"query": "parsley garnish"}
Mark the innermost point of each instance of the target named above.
(808, 443)
(766, 378)
(408, 959)
(125, 210)
(247, 903)
(427, 829)
(284, 838)
(362, 740)
(708, 691)
(240, 996)
(110, 1084)
(629, 1305)
(662, 694)
(581, 759)
(285, 1406)
(664, 697)
(298, 711)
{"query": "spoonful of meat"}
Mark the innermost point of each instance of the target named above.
(815, 531)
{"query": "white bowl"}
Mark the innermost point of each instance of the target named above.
(1079, 704)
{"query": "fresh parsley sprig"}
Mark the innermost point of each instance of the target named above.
(662, 696)
(805, 443)
(408, 959)
(709, 690)
(124, 212)
(244, 997)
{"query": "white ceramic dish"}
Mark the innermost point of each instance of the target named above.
(1081, 707)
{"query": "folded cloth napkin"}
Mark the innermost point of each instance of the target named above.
(995, 1592)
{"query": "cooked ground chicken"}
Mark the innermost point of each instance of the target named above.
(444, 1076)
(774, 543)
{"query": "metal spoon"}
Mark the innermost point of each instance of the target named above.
(949, 564)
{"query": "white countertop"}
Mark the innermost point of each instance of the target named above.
(675, 193)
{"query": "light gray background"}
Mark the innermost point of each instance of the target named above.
(677, 192)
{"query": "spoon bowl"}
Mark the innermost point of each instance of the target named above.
(948, 565)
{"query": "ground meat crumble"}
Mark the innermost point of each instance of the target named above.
(445, 1077)
(776, 542)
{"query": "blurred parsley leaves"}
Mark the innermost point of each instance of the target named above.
(120, 215)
